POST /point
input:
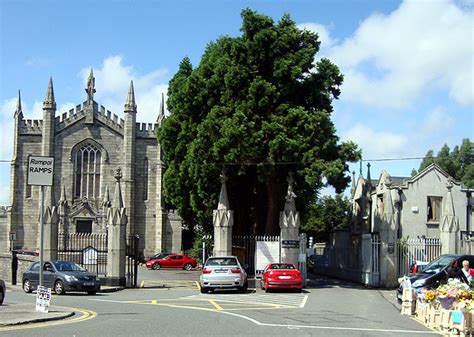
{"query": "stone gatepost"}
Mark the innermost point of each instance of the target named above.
(223, 220)
(63, 225)
(116, 222)
(50, 223)
(388, 238)
(289, 226)
(449, 224)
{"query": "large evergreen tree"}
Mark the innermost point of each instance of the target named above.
(259, 107)
(458, 163)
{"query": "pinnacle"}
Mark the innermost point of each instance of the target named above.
(130, 103)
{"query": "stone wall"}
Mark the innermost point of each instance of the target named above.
(4, 237)
(24, 261)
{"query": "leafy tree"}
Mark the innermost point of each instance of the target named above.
(259, 107)
(325, 215)
(458, 163)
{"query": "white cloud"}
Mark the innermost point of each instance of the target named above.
(392, 59)
(377, 144)
(437, 121)
(112, 81)
(323, 32)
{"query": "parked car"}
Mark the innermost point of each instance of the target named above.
(172, 261)
(223, 273)
(418, 266)
(3, 291)
(281, 276)
(61, 276)
(433, 274)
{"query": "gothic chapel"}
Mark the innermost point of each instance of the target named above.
(89, 144)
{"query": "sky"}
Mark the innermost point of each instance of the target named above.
(407, 65)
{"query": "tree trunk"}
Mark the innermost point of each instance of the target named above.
(272, 218)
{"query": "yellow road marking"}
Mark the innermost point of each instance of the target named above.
(154, 301)
(142, 284)
(218, 307)
(198, 285)
(86, 315)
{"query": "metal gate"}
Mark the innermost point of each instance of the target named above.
(132, 259)
(88, 250)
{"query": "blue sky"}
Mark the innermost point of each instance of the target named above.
(408, 65)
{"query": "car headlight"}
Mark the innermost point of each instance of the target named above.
(70, 278)
(418, 283)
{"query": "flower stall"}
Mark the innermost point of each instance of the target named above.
(447, 308)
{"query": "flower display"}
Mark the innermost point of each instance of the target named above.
(453, 294)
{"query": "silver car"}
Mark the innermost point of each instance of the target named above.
(3, 291)
(223, 272)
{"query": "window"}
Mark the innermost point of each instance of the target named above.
(87, 172)
(434, 209)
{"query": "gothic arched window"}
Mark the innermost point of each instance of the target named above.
(87, 172)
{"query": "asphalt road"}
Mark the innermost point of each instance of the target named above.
(170, 304)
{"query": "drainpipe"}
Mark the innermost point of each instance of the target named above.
(399, 216)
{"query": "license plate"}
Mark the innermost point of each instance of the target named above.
(220, 270)
(284, 277)
(87, 284)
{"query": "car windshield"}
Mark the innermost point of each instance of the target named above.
(67, 266)
(438, 264)
(227, 261)
(282, 266)
(160, 256)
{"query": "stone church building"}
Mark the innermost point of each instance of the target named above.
(89, 144)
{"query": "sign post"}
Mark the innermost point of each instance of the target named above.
(40, 173)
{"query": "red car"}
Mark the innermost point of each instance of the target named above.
(172, 261)
(281, 276)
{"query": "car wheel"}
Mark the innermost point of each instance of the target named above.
(93, 292)
(59, 287)
(188, 266)
(156, 266)
(2, 296)
(27, 286)
(244, 287)
(204, 290)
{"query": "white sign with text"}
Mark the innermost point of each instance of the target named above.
(43, 298)
(266, 252)
(40, 171)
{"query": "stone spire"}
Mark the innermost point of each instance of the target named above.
(130, 105)
(106, 200)
(353, 183)
(161, 113)
(90, 90)
(290, 194)
(18, 110)
(118, 201)
(49, 102)
(63, 198)
(223, 199)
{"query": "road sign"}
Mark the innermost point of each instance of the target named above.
(290, 243)
(40, 171)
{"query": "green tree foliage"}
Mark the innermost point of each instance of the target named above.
(258, 106)
(458, 163)
(326, 215)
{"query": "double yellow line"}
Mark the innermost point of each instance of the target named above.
(85, 315)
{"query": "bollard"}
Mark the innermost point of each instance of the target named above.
(14, 267)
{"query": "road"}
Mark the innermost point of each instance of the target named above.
(170, 304)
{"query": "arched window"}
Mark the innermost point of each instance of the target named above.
(87, 172)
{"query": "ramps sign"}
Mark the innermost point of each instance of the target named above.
(266, 252)
(40, 171)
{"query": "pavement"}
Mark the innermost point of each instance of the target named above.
(25, 313)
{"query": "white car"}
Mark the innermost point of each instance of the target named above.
(223, 272)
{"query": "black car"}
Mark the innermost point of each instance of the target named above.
(435, 273)
(61, 276)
